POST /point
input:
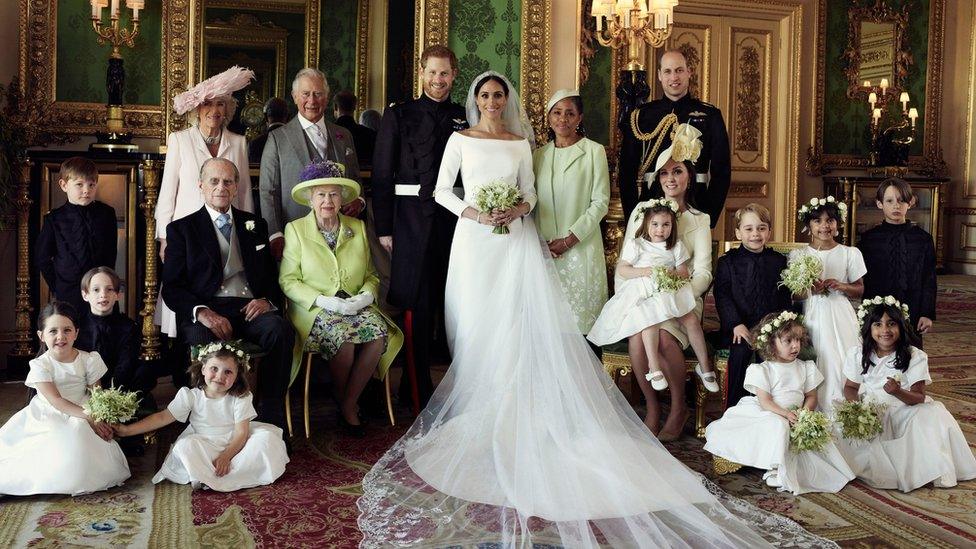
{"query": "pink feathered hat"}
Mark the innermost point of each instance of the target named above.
(224, 83)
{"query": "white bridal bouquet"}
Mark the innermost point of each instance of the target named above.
(497, 195)
(111, 405)
(801, 273)
(810, 432)
(859, 419)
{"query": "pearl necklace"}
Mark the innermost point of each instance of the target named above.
(211, 140)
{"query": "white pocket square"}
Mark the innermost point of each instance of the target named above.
(259, 247)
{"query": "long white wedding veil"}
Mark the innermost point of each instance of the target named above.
(516, 121)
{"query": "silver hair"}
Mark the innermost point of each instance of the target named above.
(310, 72)
(193, 116)
(207, 162)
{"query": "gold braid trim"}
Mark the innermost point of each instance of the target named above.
(669, 122)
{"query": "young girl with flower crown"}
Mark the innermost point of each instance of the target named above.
(756, 431)
(654, 289)
(827, 309)
(52, 446)
(221, 448)
(921, 441)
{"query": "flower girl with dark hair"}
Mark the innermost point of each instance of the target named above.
(222, 448)
(53, 446)
(921, 441)
(756, 431)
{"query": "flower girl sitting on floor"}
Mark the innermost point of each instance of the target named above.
(921, 441)
(221, 448)
(655, 272)
(756, 431)
(52, 446)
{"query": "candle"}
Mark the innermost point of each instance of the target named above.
(97, 6)
(884, 85)
(876, 115)
(913, 114)
(867, 83)
(135, 6)
(872, 98)
(904, 101)
(115, 9)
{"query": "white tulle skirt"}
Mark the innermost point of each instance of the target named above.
(527, 441)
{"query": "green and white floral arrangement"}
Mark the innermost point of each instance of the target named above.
(800, 273)
(770, 327)
(859, 419)
(810, 432)
(667, 280)
(868, 304)
(497, 195)
(817, 202)
(111, 405)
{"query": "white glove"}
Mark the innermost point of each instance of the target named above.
(360, 301)
(336, 305)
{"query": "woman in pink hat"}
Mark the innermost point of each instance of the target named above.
(209, 107)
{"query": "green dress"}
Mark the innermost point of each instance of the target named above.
(573, 186)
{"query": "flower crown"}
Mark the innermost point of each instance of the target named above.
(868, 304)
(769, 327)
(232, 346)
(660, 202)
(818, 202)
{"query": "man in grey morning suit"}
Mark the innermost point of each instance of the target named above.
(306, 138)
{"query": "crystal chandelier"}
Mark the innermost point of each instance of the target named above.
(632, 23)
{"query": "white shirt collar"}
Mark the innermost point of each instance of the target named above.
(306, 124)
(214, 213)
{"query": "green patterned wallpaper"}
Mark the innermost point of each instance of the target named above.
(337, 57)
(596, 95)
(485, 34)
(81, 62)
(846, 120)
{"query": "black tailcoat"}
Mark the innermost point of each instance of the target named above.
(901, 262)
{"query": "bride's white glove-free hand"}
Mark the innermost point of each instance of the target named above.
(336, 305)
(360, 301)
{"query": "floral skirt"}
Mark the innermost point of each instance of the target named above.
(331, 330)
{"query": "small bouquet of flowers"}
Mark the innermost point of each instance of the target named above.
(497, 195)
(111, 405)
(810, 432)
(859, 419)
(801, 273)
(667, 280)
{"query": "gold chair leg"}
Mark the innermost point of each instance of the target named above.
(700, 395)
(291, 431)
(389, 400)
(308, 380)
(723, 466)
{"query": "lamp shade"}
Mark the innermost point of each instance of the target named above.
(135, 4)
(601, 7)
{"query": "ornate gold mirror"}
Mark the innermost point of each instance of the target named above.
(877, 53)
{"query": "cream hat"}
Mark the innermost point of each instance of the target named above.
(685, 145)
(559, 96)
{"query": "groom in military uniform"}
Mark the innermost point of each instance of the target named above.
(713, 166)
(409, 224)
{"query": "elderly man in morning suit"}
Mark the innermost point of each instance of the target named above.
(308, 137)
(220, 279)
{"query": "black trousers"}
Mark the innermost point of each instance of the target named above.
(273, 334)
(740, 357)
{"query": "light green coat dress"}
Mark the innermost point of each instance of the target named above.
(573, 186)
(310, 268)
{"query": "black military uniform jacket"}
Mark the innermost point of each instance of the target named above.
(747, 288)
(714, 159)
(409, 147)
(74, 239)
(901, 262)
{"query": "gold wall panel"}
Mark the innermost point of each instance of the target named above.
(749, 189)
(749, 97)
(362, 54)
(535, 60)
(430, 27)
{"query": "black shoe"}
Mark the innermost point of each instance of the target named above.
(354, 431)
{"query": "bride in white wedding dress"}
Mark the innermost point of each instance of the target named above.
(526, 441)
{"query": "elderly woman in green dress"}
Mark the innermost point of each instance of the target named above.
(573, 186)
(328, 276)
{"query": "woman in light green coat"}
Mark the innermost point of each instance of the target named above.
(573, 185)
(328, 276)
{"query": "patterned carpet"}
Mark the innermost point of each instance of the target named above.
(313, 504)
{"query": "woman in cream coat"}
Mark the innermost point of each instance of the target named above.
(209, 106)
(573, 186)
(694, 229)
(328, 277)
